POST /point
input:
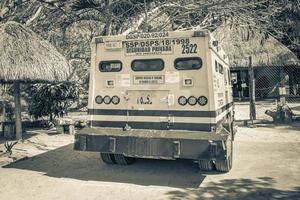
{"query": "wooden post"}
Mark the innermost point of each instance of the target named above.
(3, 116)
(252, 91)
(18, 120)
(282, 89)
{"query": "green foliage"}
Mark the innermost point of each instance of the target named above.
(9, 110)
(51, 99)
(6, 99)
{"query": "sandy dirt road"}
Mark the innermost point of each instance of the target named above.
(266, 166)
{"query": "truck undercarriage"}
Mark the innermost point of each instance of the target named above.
(118, 146)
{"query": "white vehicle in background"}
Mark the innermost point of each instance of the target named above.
(163, 95)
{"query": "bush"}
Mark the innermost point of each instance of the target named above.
(52, 100)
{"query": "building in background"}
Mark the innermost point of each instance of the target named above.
(274, 64)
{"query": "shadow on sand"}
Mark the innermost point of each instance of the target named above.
(261, 188)
(295, 125)
(64, 162)
(67, 163)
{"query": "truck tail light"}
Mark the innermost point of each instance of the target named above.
(115, 100)
(202, 100)
(192, 100)
(182, 100)
(99, 99)
(107, 100)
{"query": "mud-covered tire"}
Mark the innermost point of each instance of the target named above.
(108, 158)
(205, 165)
(123, 160)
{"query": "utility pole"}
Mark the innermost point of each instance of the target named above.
(252, 91)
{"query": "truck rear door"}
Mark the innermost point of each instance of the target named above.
(148, 100)
(148, 109)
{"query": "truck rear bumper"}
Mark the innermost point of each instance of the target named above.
(155, 144)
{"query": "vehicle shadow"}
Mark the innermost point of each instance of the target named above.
(64, 162)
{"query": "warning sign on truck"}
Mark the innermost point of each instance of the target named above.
(148, 79)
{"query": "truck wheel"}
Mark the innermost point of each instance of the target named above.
(205, 165)
(225, 165)
(108, 158)
(123, 160)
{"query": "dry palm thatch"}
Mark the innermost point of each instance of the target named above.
(25, 57)
(241, 42)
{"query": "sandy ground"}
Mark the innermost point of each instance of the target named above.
(266, 166)
(242, 109)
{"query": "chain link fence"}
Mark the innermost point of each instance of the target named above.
(277, 94)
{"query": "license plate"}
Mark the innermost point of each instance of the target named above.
(144, 99)
(156, 99)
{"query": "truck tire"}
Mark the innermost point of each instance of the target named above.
(205, 165)
(123, 160)
(108, 158)
(225, 165)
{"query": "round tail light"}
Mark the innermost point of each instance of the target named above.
(182, 100)
(99, 99)
(107, 100)
(115, 100)
(192, 100)
(202, 100)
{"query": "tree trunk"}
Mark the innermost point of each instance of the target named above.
(18, 121)
(146, 17)
(108, 18)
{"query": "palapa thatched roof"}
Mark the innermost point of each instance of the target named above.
(25, 57)
(239, 43)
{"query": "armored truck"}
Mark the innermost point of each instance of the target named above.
(162, 95)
